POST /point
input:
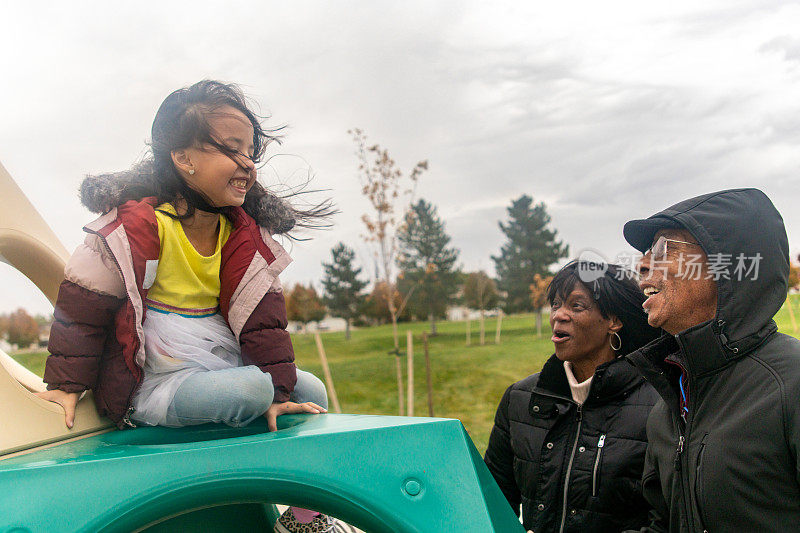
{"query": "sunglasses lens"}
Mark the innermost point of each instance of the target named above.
(659, 249)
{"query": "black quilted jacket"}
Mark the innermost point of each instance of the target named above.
(573, 468)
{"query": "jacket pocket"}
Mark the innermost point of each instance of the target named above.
(601, 443)
(699, 493)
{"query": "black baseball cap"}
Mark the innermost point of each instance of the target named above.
(640, 233)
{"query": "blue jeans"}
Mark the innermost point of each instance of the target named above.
(236, 396)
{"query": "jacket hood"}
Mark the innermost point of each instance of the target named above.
(741, 231)
(102, 192)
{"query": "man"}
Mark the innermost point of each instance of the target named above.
(724, 438)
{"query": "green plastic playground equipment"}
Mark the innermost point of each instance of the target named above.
(379, 473)
(382, 474)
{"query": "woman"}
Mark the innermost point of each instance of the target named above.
(568, 443)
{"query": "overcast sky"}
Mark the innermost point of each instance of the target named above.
(606, 111)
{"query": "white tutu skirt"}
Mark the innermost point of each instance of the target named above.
(175, 348)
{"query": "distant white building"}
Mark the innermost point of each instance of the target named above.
(464, 313)
(6, 346)
(329, 323)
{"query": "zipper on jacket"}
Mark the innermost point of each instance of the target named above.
(683, 411)
(125, 419)
(686, 494)
(569, 469)
(679, 451)
(683, 436)
(698, 485)
(600, 444)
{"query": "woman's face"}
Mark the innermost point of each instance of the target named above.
(579, 330)
(222, 179)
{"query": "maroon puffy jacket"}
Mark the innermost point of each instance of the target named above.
(97, 341)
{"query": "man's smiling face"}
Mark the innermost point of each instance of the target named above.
(677, 298)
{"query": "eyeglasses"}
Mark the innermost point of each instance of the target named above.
(658, 250)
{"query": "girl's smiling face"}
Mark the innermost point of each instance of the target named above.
(223, 179)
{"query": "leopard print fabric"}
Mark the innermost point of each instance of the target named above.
(287, 523)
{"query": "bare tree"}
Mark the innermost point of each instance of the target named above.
(390, 193)
(480, 292)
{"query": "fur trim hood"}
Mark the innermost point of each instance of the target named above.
(102, 192)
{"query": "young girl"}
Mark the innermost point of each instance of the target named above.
(171, 312)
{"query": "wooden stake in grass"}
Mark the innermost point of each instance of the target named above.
(327, 371)
(791, 313)
(468, 336)
(483, 329)
(428, 373)
(410, 355)
(400, 406)
(499, 325)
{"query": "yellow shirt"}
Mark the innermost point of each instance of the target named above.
(186, 282)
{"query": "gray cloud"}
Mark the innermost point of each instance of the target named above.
(723, 17)
(786, 45)
(602, 118)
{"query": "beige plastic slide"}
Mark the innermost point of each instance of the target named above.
(28, 244)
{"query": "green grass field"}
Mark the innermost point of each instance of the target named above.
(468, 381)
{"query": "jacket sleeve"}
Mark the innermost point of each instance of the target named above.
(651, 490)
(499, 457)
(266, 344)
(84, 314)
(792, 421)
(82, 320)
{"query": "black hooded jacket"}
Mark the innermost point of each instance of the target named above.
(732, 465)
(573, 469)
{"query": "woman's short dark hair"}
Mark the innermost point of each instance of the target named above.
(616, 292)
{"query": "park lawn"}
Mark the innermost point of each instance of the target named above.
(33, 361)
(468, 381)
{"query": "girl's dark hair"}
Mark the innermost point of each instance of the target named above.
(181, 122)
(616, 292)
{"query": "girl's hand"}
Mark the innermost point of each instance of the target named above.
(277, 409)
(67, 400)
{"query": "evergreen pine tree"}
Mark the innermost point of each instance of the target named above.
(341, 286)
(427, 264)
(531, 249)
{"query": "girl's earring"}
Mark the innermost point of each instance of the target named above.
(191, 172)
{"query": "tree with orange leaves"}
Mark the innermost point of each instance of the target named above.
(21, 328)
(539, 298)
(304, 305)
